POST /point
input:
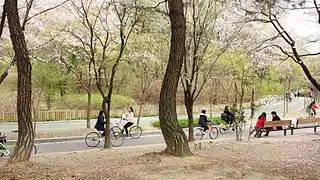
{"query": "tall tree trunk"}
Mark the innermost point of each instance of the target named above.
(89, 109)
(107, 100)
(188, 101)
(252, 107)
(139, 113)
(106, 110)
(25, 140)
(174, 136)
(48, 102)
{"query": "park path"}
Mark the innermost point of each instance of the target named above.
(295, 107)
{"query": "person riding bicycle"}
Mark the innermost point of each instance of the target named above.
(203, 120)
(227, 116)
(99, 126)
(128, 117)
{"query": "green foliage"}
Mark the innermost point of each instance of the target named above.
(80, 101)
(49, 78)
(184, 122)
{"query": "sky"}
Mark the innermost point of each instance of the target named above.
(303, 24)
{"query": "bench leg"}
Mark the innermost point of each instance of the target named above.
(291, 131)
(285, 132)
(315, 129)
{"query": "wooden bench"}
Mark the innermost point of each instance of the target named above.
(271, 124)
(307, 123)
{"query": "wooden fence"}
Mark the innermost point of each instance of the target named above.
(53, 115)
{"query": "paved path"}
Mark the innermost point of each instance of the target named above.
(155, 138)
(145, 139)
(70, 125)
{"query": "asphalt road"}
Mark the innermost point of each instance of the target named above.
(151, 138)
(155, 138)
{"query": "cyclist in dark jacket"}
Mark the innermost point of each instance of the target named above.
(227, 116)
(100, 123)
(203, 120)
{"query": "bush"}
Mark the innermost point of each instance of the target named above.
(184, 122)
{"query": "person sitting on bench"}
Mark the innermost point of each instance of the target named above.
(275, 117)
(260, 124)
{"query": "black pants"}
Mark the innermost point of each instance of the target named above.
(205, 127)
(270, 129)
(125, 127)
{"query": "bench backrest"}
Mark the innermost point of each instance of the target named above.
(308, 121)
(277, 123)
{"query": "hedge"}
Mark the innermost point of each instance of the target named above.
(184, 122)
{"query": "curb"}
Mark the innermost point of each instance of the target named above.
(77, 138)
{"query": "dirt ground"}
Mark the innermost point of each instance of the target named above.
(291, 157)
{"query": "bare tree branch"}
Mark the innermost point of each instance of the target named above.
(3, 19)
(318, 10)
(44, 11)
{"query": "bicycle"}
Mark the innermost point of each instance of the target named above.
(135, 131)
(93, 138)
(224, 127)
(7, 150)
(199, 134)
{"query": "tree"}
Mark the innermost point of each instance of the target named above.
(48, 77)
(146, 60)
(25, 140)
(26, 18)
(80, 67)
(173, 134)
(203, 37)
(104, 47)
(267, 12)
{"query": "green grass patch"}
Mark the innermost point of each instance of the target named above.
(184, 122)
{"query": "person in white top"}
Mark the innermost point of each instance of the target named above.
(128, 117)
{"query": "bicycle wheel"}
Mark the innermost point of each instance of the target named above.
(92, 139)
(135, 132)
(2, 150)
(214, 133)
(222, 129)
(197, 134)
(116, 136)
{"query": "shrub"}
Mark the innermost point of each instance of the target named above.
(184, 122)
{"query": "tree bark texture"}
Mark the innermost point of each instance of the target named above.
(107, 100)
(89, 108)
(173, 134)
(188, 101)
(106, 111)
(24, 144)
